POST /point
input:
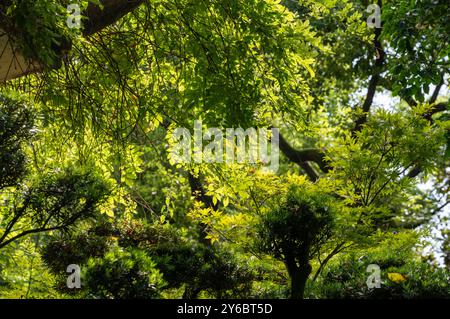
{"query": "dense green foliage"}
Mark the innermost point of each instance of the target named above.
(123, 275)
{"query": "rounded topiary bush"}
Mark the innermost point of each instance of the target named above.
(123, 274)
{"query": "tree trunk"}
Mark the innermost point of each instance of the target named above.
(299, 276)
(191, 292)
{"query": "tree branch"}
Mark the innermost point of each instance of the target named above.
(374, 80)
(99, 18)
(302, 157)
(310, 172)
(436, 91)
(440, 107)
(14, 65)
(199, 193)
(17, 215)
(28, 232)
(340, 247)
